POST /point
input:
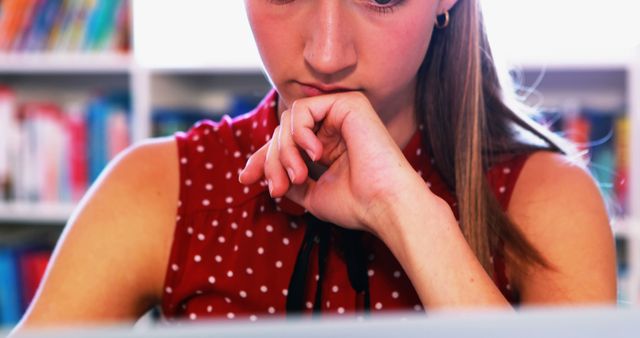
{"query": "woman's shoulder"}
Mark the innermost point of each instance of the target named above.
(116, 244)
(558, 207)
(547, 180)
(146, 168)
(551, 176)
(140, 186)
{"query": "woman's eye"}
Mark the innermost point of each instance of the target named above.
(280, 2)
(379, 6)
(385, 6)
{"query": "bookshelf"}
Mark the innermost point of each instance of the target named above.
(59, 61)
(65, 63)
(55, 214)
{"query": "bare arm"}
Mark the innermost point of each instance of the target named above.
(559, 208)
(109, 264)
(560, 211)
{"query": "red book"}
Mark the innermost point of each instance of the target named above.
(44, 147)
(33, 265)
(622, 151)
(77, 152)
(117, 133)
(578, 130)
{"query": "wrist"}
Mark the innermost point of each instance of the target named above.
(414, 213)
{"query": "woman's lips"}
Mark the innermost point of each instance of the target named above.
(311, 90)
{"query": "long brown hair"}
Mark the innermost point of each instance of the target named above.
(469, 127)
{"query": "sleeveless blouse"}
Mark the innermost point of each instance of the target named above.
(234, 246)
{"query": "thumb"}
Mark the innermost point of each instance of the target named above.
(299, 193)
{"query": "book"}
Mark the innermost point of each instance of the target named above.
(107, 116)
(76, 141)
(10, 290)
(28, 17)
(42, 152)
(167, 121)
(32, 265)
(24, 255)
(8, 140)
(13, 14)
(64, 25)
(622, 149)
(602, 136)
(42, 25)
(99, 25)
(51, 152)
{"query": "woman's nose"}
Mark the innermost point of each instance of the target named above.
(329, 48)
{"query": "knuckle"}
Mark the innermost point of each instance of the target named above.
(285, 115)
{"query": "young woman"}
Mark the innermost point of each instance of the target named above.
(385, 172)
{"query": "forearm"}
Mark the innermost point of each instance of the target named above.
(424, 236)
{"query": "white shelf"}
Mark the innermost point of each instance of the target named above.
(35, 213)
(626, 228)
(65, 63)
(583, 64)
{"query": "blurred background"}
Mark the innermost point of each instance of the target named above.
(80, 80)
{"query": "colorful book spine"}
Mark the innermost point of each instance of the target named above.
(10, 290)
(22, 267)
(623, 152)
(28, 17)
(45, 140)
(8, 139)
(11, 22)
(32, 266)
(77, 152)
(64, 25)
(51, 153)
(42, 27)
(99, 114)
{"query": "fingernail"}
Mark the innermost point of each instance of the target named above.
(270, 188)
(292, 175)
(240, 175)
(311, 155)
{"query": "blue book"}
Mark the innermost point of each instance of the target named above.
(105, 24)
(44, 25)
(99, 21)
(243, 103)
(167, 121)
(98, 114)
(10, 291)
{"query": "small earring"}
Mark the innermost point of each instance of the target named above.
(442, 20)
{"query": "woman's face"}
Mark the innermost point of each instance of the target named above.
(373, 46)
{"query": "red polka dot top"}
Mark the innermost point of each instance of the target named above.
(235, 248)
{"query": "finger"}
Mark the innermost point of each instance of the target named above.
(337, 110)
(299, 193)
(303, 124)
(254, 169)
(290, 153)
(274, 172)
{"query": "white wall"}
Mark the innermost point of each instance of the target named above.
(564, 32)
(193, 34)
